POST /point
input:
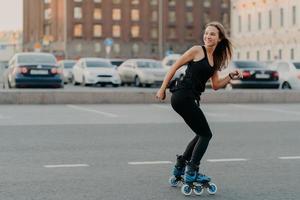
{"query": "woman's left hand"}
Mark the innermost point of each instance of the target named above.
(236, 74)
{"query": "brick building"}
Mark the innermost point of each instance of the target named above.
(118, 28)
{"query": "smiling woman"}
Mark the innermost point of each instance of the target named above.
(12, 12)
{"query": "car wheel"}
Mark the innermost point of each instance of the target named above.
(83, 81)
(74, 81)
(137, 82)
(286, 86)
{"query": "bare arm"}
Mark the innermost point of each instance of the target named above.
(218, 83)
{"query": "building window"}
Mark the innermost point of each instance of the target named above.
(269, 55)
(135, 15)
(116, 48)
(97, 1)
(189, 34)
(292, 54)
(98, 47)
(97, 30)
(238, 55)
(153, 2)
(97, 13)
(135, 2)
(135, 31)
(154, 16)
(79, 47)
(77, 12)
(172, 16)
(281, 17)
(248, 55)
(135, 48)
(240, 23)
(189, 3)
(78, 30)
(225, 4)
(257, 56)
(280, 54)
(206, 18)
(116, 1)
(294, 15)
(48, 14)
(259, 21)
(270, 19)
(116, 14)
(225, 20)
(116, 31)
(172, 33)
(47, 29)
(154, 33)
(249, 22)
(206, 3)
(189, 18)
(172, 3)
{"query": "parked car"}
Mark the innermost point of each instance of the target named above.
(34, 70)
(142, 72)
(169, 60)
(116, 61)
(67, 66)
(255, 75)
(92, 71)
(289, 74)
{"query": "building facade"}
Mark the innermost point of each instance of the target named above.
(266, 30)
(118, 28)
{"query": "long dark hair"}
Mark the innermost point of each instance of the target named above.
(223, 52)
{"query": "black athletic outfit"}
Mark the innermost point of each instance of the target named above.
(185, 101)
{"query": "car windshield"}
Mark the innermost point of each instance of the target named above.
(249, 64)
(297, 65)
(98, 64)
(41, 59)
(116, 63)
(149, 64)
(68, 65)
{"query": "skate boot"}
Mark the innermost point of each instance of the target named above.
(178, 171)
(196, 182)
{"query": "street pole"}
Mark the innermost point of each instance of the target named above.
(160, 28)
(65, 30)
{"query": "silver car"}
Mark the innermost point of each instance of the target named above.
(142, 72)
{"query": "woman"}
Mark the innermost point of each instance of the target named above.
(204, 62)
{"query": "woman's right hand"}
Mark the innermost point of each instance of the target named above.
(161, 94)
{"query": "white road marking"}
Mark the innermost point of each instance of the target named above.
(150, 163)
(107, 114)
(289, 157)
(69, 165)
(227, 160)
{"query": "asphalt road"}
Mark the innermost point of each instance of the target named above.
(92, 152)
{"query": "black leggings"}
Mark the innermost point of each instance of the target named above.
(184, 103)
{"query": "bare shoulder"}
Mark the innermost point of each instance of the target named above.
(198, 52)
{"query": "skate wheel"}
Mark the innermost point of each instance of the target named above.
(173, 181)
(198, 189)
(212, 189)
(186, 190)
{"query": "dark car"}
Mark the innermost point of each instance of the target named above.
(255, 75)
(34, 70)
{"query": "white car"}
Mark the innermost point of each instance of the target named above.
(289, 74)
(92, 71)
(169, 60)
(142, 72)
(67, 66)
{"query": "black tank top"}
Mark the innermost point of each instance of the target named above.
(197, 74)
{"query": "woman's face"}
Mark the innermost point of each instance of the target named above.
(211, 36)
